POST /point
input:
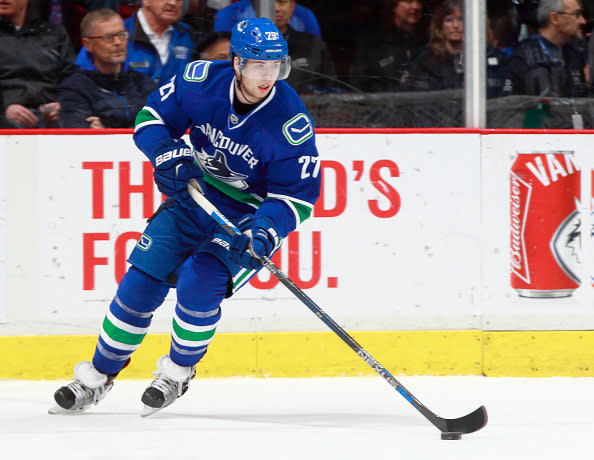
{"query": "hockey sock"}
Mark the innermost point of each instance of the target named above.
(201, 287)
(127, 320)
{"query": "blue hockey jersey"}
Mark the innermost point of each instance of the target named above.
(264, 162)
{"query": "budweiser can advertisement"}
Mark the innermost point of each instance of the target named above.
(545, 224)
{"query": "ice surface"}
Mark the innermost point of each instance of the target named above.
(330, 418)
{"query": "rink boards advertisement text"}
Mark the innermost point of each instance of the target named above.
(410, 234)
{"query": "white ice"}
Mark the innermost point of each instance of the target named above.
(306, 419)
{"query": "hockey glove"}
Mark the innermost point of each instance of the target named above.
(174, 167)
(259, 238)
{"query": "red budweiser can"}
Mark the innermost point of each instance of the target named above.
(545, 224)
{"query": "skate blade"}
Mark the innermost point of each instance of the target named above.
(59, 410)
(148, 410)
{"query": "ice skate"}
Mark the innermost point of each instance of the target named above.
(172, 381)
(89, 386)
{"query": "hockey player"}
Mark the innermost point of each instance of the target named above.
(254, 157)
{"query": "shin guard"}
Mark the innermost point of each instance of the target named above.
(127, 320)
(201, 287)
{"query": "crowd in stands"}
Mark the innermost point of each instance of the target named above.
(91, 63)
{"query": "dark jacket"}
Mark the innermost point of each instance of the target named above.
(538, 67)
(33, 61)
(431, 72)
(382, 57)
(309, 53)
(114, 98)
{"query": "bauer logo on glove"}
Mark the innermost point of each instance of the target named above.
(174, 167)
(173, 155)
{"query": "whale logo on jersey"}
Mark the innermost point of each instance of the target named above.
(216, 166)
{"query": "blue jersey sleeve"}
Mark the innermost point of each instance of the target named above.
(162, 117)
(293, 188)
(292, 172)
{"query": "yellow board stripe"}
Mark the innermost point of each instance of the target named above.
(309, 354)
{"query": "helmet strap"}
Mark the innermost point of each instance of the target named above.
(239, 77)
(239, 80)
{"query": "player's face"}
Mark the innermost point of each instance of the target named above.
(408, 12)
(257, 78)
(108, 44)
(453, 26)
(166, 11)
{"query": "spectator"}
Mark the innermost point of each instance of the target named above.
(35, 57)
(505, 28)
(303, 19)
(107, 94)
(441, 64)
(127, 7)
(312, 67)
(383, 56)
(549, 63)
(214, 46)
(159, 44)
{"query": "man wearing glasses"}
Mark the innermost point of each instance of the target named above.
(159, 43)
(106, 92)
(550, 63)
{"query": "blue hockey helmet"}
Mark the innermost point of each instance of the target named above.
(260, 39)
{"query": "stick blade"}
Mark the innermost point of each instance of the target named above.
(469, 423)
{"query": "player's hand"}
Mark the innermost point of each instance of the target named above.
(259, 238)
(174, 167)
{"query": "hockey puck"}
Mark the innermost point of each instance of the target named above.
(451, 435)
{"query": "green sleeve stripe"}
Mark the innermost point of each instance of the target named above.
(247, 198)
(146, 117)
(301, 209)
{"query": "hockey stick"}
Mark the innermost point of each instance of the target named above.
(450, 428)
